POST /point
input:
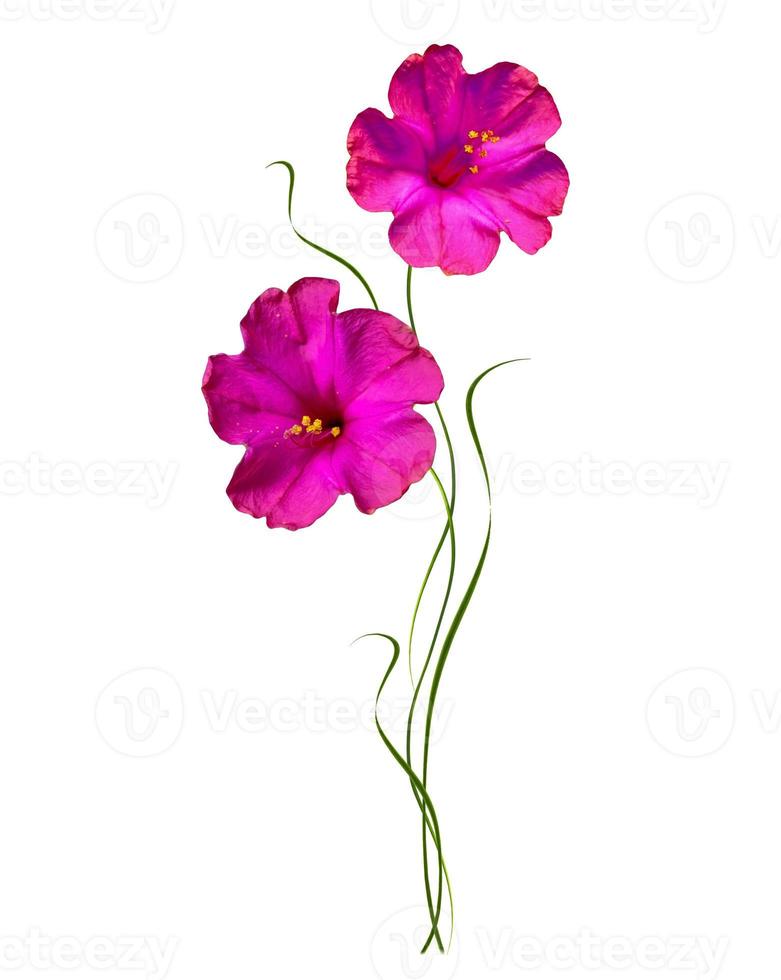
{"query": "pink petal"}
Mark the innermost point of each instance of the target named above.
(377, 458)
(492, 95)
(290, 485)
(525, 129)
(444, 229)
(379, 364)
(521, 199)
(387, 162)
(290, 334)
(246, 402)
(427, 91)
(308, 497)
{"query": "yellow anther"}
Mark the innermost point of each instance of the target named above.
(294, 430)
(484, 135)
(473, 170)
(483, 153)
(495, 139)
(316, 426)
(468, 148)
(473, 134)
(335, 431)
(306, 420)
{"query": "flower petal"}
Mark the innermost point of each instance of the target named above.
(309, 496)
(290, 334)
(387, 161)
(444, 229)
(377, 458)
(246, 402)
(288, 484)
(521, 199)
(379, 363)
(525, 129)
(427, 91)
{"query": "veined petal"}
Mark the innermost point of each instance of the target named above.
(246, 402)
(427, 91)
(521, 199)
(308, 497)
(387, 161)
(289, 333)
(376, 459)
(446, 230)
(378, 361)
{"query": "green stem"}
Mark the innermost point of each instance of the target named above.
(306, 241)
(462, 608)
(448, 530)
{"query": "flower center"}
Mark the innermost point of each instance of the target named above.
(449, 167)
(313, 431)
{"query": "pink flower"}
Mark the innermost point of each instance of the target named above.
(462, 159)
(323, 402)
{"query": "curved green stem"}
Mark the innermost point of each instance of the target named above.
(318, 248)
(421, 794)
(463, 605)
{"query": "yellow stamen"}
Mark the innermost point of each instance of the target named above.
(294, 430)
(306, 420)
(468, 148)
(316, 426)
(473, 134)
(483, 153)
(335, 431)
(473, 170)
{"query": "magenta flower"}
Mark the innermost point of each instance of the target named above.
(323, 402)
(462, 159)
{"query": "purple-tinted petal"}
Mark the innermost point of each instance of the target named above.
(377, 458)
(427, 91)
(492, 95)
(246, 402)
(521, 199)
(387, 161)
(309, 496)
(265, 472)
(525, 129)
(290, 334)
(439, 228)
(379, 364)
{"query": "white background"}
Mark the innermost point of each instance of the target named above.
(188, 763)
